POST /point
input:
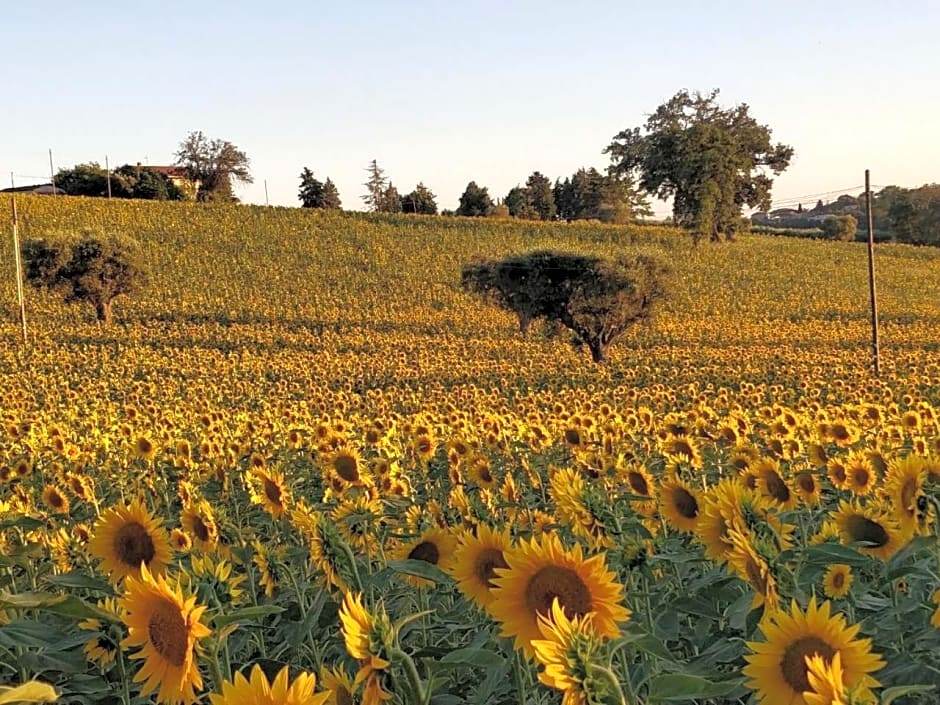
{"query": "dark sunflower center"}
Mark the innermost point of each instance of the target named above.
(685, 503)
(168, 633)
(201, 529)
(133, 545)
(346, 467)
(838, 473)
(793, 664)
(486, 475)
(840, 432)
(424, 446)
(838, 580)
(343, 697)
(806, 483)
(565, 584)
(861, 477)
(56, 500)
(572, 436)
(638, 484)
(426, 551)
(776, 487)
(272, 491)
(682, 448)
(488, 560)
(144, 446)
(861, 528)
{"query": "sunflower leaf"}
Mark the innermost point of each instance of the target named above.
(64, 605)
(678, 686)
(31, 692)
(245, 614)
(419, 569)
(889, 695)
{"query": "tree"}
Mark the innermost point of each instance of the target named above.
(710, 161)
(216, 165)
(597, 299)
(142, 182)
(840, 227)
(475, 201)
(91, 269)
(420, 201)
(315, 193)
(517, 204)
(540, 196)
(375, 186)
(89, 179)
(391, 200)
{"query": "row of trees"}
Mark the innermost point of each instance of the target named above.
(127, 181)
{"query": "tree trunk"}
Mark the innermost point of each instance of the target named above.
(104, 312)
(598, 351)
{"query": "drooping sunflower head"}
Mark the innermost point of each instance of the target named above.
(126, 537)
(679, 505)
(542, 570)
(269, 490)
(745, 562)
(166, 626)
(774, 486)
(476, 560)
(347, 466)
(875, 533)
(198, 520)
(435, 546)
(778, 669)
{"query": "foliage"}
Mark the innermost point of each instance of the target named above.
(420, 201)
(590, 195)
(391, 200)
(711, 161)
(376, 187)
(126, 182)
(597, 299)
(216, 165)
(539, 196)
(317, 194)
(840, 227)
(475, 201)
(91, 269)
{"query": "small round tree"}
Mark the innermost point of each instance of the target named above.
(840, 227)
(595, 298)
(91, 269)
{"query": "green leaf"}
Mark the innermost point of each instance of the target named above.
(245, 614)
(474, 658)
(26, 523)
(677, 686)
(76, 579)
(826, 554)
(419, 569)
(65, 605)
(31, 692)
(889, 695)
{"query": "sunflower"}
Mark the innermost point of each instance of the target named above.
(860, 476)
(166, 627)
(435, 546)
(143, 448)
(180, 541)
(358, 521)
(825, 680)
(55, 499)
(903, 486)
(837, 581)
(268, 490)
(82, 486)
(639, 481)
(126, 537)
(267, 569)
(101, 649)
(807, 488)
(836, 471)
(258, 691)
(368, 637)
(745, 562)
(541, 570)
(568, 650)
(778, 669)
(424, 447)
(718, 511)
(346, 465)
(869, 526)
(773, 485)
(679, 505)
(340, 689)
(476, 560)
(680, 444)
(198, 521)
(480, 472)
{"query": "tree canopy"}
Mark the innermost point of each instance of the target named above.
(420, 201)
(475, 201)
(711, 161)
(317, 194)
(216, 165)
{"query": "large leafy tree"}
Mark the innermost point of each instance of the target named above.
(216, 165)
(475, 201)
(711, 161)
(421, 201)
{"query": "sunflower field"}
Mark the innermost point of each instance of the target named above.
(306, 467)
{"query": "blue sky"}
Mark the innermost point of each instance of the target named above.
(445, 92)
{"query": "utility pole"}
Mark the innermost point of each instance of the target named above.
(266, 193)
(107, 168)
(19, 264)
(51, 172)
(871, 277)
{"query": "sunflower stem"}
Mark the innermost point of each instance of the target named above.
(418, 692)
(517, 665)
(125, 681)
(615, 684)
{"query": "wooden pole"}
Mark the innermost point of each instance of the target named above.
(51, 172)
(871, 277)
(107, 168)
(19, 263)
(266, 193)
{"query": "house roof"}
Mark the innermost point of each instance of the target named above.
(174, 172)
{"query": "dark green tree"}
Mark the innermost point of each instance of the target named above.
(91, 269)
(89, 179)
(517, 204)
(840, 227)
(315, 193)
(420, 201)
(216, 165)
(711, 161)
(391, 200)
(597, 299)
(331, 198)
(540, 196)
(475, 201)
(375, 186)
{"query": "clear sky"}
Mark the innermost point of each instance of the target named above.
(446, 92)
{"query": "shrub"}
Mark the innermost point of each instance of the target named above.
(91, 269)
(840, 227)
(595, 298)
